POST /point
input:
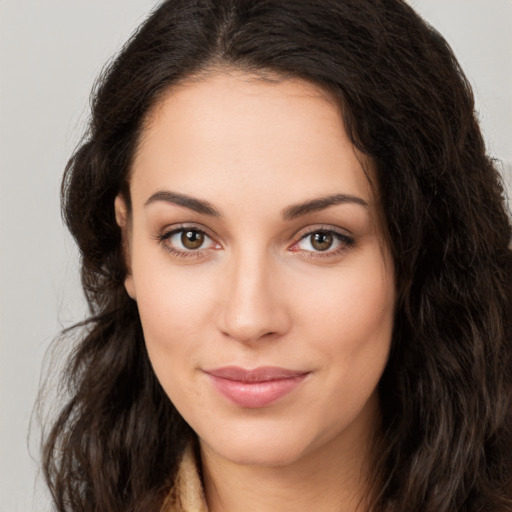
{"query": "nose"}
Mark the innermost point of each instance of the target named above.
(253, 307)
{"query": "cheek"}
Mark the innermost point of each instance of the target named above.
(351, 325)
(170, 298)
(170, 322)
(350, 318)
(355, 307)
(175, 306)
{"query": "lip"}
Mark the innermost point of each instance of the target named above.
(257, 387)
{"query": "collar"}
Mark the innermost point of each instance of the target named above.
(187, 494)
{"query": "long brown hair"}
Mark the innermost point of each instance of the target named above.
(447, 390)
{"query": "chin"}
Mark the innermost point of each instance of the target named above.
(269, 455)
(259, 446)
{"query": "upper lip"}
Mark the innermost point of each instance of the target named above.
(261, 374)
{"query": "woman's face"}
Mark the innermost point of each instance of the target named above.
(262, 277)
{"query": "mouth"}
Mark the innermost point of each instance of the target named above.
(255, 388)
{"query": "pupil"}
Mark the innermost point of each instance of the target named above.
(321, 241)
(192, 239)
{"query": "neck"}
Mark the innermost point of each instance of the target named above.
(331, 478)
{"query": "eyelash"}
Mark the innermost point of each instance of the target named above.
(164, 238)
(345, 241)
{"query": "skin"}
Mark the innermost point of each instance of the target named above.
(258, 292)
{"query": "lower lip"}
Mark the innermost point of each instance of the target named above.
(256, 394)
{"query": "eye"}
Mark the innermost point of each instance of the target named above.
(323, 241)
(187, 240)
(320, 241)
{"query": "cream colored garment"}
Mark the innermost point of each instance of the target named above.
(187, 495)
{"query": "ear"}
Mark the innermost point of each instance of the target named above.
(123, 221)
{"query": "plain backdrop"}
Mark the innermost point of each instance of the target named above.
(50, 53)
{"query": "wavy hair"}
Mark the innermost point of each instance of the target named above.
(446, 393)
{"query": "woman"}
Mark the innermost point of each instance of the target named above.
(296, 255)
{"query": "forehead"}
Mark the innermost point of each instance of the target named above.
(234, 132)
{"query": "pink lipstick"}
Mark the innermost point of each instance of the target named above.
(255, 388)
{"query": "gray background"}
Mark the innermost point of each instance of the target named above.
(50, 53)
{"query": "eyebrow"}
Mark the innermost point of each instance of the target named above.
(289, 213)
(321, 203)
(197, 205)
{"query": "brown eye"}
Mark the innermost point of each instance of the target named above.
(321, 241)
(325, 242)
(192, 239)
(188, 241)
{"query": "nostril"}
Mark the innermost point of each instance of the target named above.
(248, 323)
